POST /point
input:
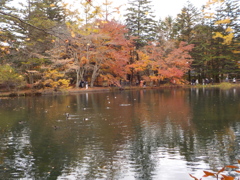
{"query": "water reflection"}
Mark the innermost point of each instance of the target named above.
(146, 134)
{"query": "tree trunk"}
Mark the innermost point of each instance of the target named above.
(94, 74)
(78, 79)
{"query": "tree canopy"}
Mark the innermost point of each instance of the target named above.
(87, 43)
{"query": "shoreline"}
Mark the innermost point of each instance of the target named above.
(44, 92)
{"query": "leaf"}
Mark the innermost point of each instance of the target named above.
(232, 167)
(227, 177)
(238, 171)
(193, 177)
(221, 170)
(208, 174)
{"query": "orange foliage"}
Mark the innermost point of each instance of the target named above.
(111, 52)
(171, 64)
(219, 173)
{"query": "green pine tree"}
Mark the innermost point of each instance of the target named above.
(186, 21)
(140, 22)
(224, 22)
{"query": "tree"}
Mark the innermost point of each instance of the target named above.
(186, 21)
(9, 39)
(201, 52)
(223, 21)
(46, 15)
(111, 53)
(167, 29)
(32, 29)
(140, 22)
(160, 63)
(10, 78)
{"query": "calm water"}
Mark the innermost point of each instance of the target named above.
(123, 135)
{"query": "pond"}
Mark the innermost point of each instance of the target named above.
(122, 135)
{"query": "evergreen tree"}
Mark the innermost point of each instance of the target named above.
(140, 22)
(10, 31)
(45, 16)
(201, 53)
(167, 29)
(186, 21)
(224, 22)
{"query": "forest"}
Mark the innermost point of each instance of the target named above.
(50, 43)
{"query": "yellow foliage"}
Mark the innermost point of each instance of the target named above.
(63, 83)
(210, 2)
(223, 21)
(68, 24)
(218, 35)
(207, 17)
(53, 74)
(229, 29)
(235, 51)
(228, 38)
(54, 79)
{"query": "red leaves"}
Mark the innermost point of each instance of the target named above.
(171, 63)
(208, 174)
(193, 177)
(111, 51)
(227, 177)
(219, 173)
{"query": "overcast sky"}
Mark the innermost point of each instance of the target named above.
(162, 8)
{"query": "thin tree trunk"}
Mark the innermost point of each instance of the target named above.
(94, 75)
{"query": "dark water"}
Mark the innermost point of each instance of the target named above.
(123, 135)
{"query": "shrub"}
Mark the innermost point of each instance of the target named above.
(9, 78)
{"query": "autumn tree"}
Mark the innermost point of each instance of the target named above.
(110, 12)
(159, 62)
(110, 54)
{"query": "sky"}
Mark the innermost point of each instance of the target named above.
(162, 8)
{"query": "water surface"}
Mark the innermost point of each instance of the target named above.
(123, 135)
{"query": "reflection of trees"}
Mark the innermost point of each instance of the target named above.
(214, 112)
(15, 154)
(117, 139)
